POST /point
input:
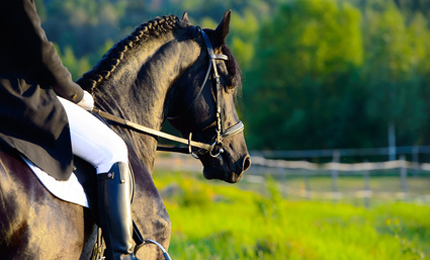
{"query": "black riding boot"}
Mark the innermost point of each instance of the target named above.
(114, 196)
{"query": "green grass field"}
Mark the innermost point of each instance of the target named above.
(213, 220)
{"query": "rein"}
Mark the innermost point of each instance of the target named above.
(203, 147)
(237, 128)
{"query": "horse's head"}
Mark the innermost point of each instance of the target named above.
(204, 106)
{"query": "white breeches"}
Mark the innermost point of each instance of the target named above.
(92, 140)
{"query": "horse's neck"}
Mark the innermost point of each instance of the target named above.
(137, 91)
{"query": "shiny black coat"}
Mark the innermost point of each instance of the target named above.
(32, 120)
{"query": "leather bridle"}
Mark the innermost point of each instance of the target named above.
(215, 148)
(219, 136)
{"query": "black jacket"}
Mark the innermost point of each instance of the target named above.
(32, 120)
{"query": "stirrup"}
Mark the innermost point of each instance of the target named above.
(140, 242)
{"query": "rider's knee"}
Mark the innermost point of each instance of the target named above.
(116, 151)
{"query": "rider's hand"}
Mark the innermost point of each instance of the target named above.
(87, 101)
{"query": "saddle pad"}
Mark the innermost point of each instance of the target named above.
(70, 190)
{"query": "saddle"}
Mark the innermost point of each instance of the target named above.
(79, 189)
(75, 190)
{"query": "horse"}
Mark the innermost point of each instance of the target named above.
(164, 70)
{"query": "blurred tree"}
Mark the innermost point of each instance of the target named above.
(77, 67)
(243, 37)
(318, 73)
(136, 13)
(419, 37)
(414, 5)
(303, 61)
(84, 25)
(393, 53)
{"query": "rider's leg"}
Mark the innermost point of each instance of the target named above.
(113, 190)
(96, 143)
(92, 140)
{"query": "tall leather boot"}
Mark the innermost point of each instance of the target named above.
(114, 210)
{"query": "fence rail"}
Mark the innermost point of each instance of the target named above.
(347, 167)
(335, 171)
(297, 178)
(414, 150)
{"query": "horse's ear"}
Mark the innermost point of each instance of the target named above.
(185, 18)
(223, 28)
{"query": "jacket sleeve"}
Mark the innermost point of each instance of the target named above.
(40, 54)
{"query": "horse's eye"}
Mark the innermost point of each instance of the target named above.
(229, 83)
(229, 87)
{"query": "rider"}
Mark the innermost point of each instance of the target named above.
(49, 130)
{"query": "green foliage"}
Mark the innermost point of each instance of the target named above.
(84, 25)
(328, 75)
(318, 74)
(395, 58)
(235, 224)
(303, 66)
(77, 67)
(244, 36)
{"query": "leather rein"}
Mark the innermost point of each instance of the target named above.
(214, 148)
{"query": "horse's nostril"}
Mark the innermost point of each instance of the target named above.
(246, 163)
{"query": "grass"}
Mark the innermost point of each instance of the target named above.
(213, 220)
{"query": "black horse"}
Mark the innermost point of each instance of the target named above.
(156, 73)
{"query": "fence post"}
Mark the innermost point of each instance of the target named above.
(334, 176)
(307, 186)
(415, 159)
(403, 177)
(366, 188)
(391, 141)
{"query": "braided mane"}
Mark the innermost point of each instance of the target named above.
(104, 68)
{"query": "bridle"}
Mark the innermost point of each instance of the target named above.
(219, 135)
(215, 148)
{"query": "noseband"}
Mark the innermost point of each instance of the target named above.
(215, 148)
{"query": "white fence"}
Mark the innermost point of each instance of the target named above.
(363, 152)
(335, 166)
(409, 174)
(408, 180)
